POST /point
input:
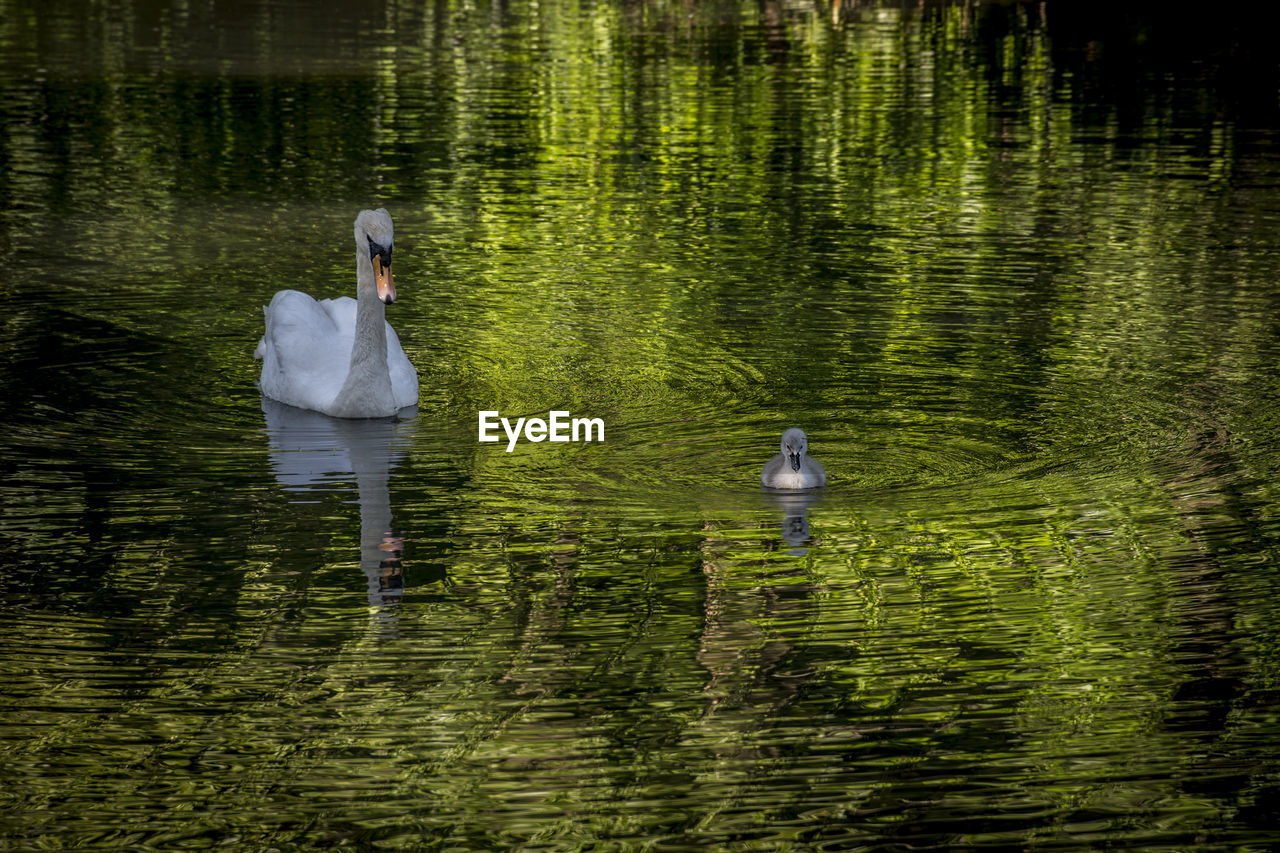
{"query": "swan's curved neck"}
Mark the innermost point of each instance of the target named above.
(367, 389)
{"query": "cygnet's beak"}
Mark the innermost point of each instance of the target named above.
(386, 285)
(795, 461)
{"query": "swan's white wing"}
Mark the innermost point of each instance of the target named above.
(306, 351)
(404, 379)
(343, 313)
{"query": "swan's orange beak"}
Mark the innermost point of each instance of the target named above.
(386, 286)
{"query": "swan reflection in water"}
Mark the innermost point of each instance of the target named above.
(310, 451)
(795, 518)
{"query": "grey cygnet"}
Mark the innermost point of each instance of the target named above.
(791, 469)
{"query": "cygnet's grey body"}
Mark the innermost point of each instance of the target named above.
(791, 469)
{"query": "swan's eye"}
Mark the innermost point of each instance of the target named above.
(375, 250)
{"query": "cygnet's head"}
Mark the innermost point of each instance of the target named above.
(794, 444)
(374, 234)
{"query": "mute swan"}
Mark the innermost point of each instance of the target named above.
(340, 356)
(791, 469)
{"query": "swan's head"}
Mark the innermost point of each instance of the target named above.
(794, 444)
(374, 235)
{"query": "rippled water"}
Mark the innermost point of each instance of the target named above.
(1013, 268)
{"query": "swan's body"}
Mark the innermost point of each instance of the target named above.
(340, 356)
(792, 469)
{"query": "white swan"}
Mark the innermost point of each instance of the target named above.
(340, 356)
(791, 469)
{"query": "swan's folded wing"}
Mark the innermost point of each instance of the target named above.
(306, 356)
(404, 378)
(342, 311)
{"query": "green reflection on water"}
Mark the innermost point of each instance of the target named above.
(1024, 312)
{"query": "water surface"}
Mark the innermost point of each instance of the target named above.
(1013, 268)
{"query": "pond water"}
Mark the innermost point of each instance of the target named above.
(1013, 268)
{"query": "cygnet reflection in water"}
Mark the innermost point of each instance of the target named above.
(795, 518)
(792, 469)
(310, 451)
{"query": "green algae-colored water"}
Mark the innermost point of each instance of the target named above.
(1014, 268)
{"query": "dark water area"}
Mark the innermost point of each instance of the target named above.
(1013, 267)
